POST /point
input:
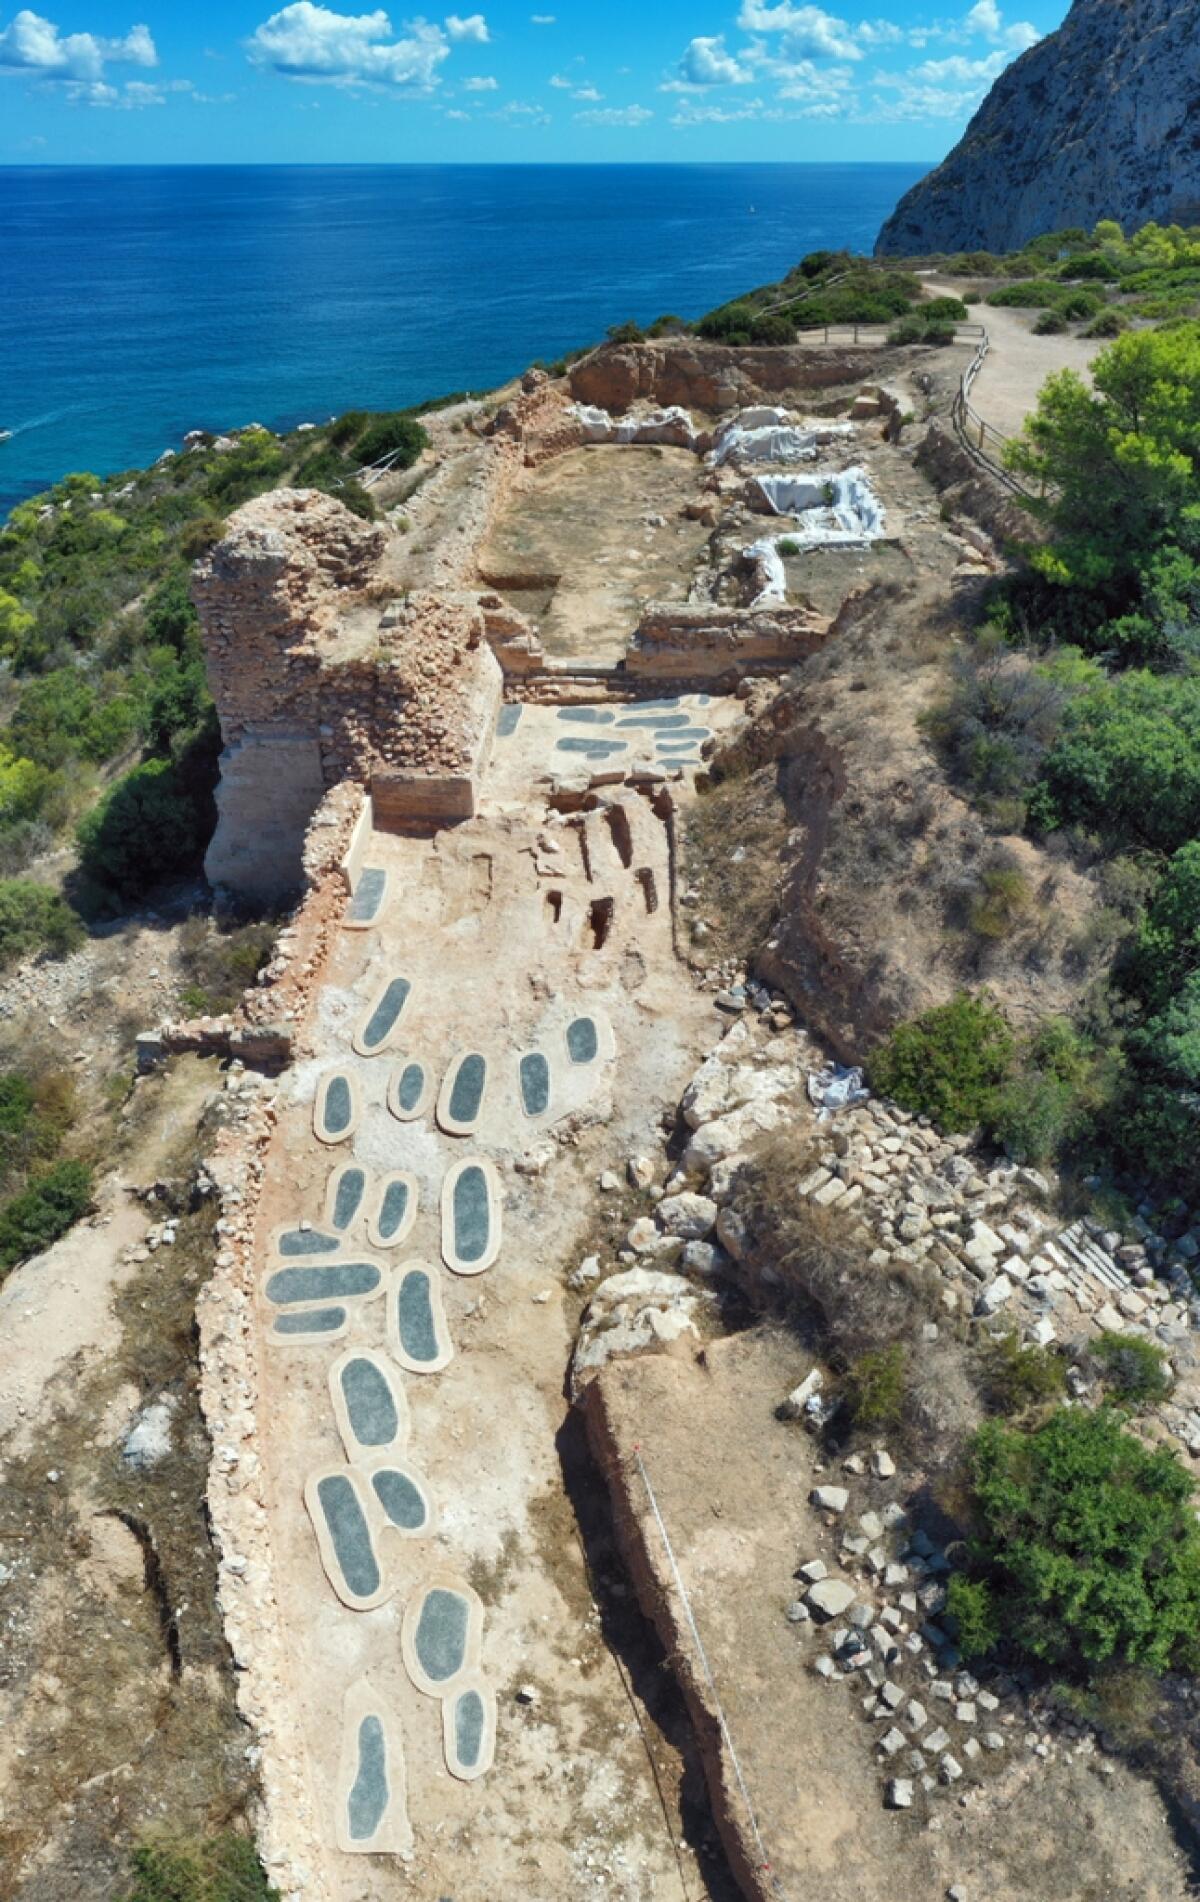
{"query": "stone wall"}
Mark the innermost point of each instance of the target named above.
(703, 642)
(322, 671)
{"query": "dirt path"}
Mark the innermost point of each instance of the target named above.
(508, 928)
(1018, 363)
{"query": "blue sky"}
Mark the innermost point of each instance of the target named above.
(137, 81)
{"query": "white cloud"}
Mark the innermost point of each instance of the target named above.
(707, 62)
(542, 19)
(587, 92)
(32, 44)
(561, 81)
(615, 115)
(986, 18)
(696, 112)
(517, 112)
(1022, 35)
(879, 33)
(474, 27)
(315, 45)
(925, 102)
(134, 96)
(480, 83)
(815, 85)
(811, 32)
(958, 71)
(454, 113)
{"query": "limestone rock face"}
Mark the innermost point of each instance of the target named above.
(1099, 120)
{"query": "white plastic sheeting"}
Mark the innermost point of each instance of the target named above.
(836, 1088)
(673, 426)
(772, 435)
(768, 573)
(832, 511)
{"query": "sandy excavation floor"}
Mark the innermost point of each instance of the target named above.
(496, 925)
(1078, 1827)
(559, 742)
(608, 521)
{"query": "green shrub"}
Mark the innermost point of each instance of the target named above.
(199, 536)
(1080, 305)
(1050, 324)
(772, 329)
(732, 323)
(51, 1205)
(145, 829)
(35, 918)
(1127, 760)
(877, 1387)
(1032, 294)
(947, 1063)
(1134, 1370)
(60, 716)
(1014, 1377)
(253, 465)
(221, 1868)
(1094, 268)
(171, 620)
(175, 698)
(399, 436)
(972, 1614)
(628, 332)
(943, 310)
(1088, 1539)
(1003, 899)
(1117, 460)
(346, 429)
(35, 1114)
(786, 546)
(1110, 323)
(1166, 951)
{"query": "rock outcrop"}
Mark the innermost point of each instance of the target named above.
(1099, 120)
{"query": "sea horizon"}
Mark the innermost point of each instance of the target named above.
(212, 295)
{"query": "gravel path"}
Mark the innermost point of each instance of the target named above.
(1018, 363)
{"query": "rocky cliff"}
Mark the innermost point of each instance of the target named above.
(1099, 120)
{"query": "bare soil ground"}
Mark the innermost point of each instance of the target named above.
(732, 1484)
(870, 860)
(608, 520)
(1018, 363)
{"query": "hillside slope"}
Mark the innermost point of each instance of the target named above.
(1099, 120)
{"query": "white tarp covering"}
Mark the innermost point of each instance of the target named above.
(831, 511)
(772, 435)
(836, 1088)
(768, 573)
(673, 426)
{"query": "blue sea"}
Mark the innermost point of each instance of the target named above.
(136, 304)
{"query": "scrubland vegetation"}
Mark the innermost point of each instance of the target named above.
(1075, 713)
(108, 733)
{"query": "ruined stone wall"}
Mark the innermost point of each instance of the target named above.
(268, 596)
(706, 642)
(322, 672)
